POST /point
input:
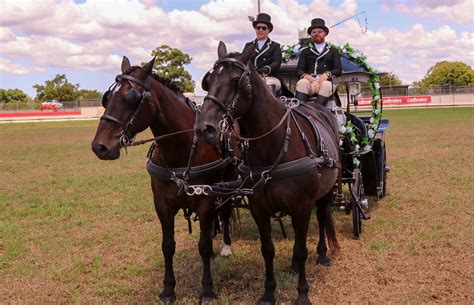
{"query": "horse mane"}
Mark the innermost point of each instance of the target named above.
(164, 81)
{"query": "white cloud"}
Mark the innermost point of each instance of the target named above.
(458, 11)
(8, 66)
(94, 35)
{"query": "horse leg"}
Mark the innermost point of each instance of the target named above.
(206, 219)
(268, 252)
(168, 246)
(300, 223)
(323, 213)
(225, 213)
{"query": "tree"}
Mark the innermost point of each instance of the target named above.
(169, 63)
(12, 96)
(85, 94)
(390, 79)
(445, 73)
(59, 88)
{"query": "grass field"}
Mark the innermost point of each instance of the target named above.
(74, 229)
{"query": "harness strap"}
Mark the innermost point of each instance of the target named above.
(166, 173)
(267, 133)
(283, 170)
(135, 80)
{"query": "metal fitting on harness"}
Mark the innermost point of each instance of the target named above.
(198, 190)
(266, 176)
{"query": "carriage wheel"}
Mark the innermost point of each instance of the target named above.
(382, 189)
(357, 191)
(356, 220)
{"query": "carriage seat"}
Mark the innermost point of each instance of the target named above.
(334, 105)
(359, 123)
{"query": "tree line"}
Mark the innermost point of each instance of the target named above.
(170, 63)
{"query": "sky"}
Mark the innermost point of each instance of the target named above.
(85, 40)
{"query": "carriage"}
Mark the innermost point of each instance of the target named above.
(369, 176)
(292, 182)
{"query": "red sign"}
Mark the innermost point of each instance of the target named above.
(398, 100)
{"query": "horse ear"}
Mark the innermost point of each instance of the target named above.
(221, 50)
(149, 66)
(125, 64)
(246, 53)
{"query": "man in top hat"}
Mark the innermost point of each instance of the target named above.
(267, 53)
(317, 65)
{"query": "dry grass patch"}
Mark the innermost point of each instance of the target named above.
(74, 229)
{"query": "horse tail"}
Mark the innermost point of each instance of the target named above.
(331, 233)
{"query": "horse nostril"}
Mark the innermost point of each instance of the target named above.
(100, 149)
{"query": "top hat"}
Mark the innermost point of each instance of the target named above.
(318, 23)
(263, 18)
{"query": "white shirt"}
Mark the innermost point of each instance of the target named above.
(261, 43)
(320, 46)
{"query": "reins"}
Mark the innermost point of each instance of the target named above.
(282, 120)
(136, 143)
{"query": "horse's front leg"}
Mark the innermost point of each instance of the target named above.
(206, 217)
(168, 246)
(300, 223)
(225, 215)
(268, 252)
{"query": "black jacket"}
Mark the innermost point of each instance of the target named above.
(268, 59)
(328, 60)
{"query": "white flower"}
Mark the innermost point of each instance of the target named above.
(371, 133)
(349, 129)
(342, 129)
(371, 120)
(367, 147)
(353, 139)
(377, 85)
(356, 162)
(377, 97)
(376, 111)
(340, 142)
(357, 147)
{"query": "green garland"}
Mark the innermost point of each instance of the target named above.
(293, 52)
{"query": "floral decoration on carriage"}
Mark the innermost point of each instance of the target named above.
(294, 51)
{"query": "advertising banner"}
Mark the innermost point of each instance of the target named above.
(398, 100)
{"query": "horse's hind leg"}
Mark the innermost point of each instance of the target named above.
(323, 213)
(168, 246)
(205, 250)
(300, 224)
(268, 252)
(226, 213)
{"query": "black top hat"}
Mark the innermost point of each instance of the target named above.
(318, 23)
(263, 18)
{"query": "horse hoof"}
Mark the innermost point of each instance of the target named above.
(167, 299)
(226, 251)
(207, 297)
(323, 261)
(267, 300)
(303, 300)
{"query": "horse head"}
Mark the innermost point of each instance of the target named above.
(231, 86)
(128, 110)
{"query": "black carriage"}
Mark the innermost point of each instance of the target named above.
(369, 178)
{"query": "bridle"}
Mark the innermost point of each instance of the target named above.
(126, 138)
(229, 111)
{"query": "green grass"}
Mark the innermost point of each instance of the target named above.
(74, 229)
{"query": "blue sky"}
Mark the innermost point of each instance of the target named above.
(86, 39)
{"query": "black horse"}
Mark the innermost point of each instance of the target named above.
(293, 157)
(136, 101)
